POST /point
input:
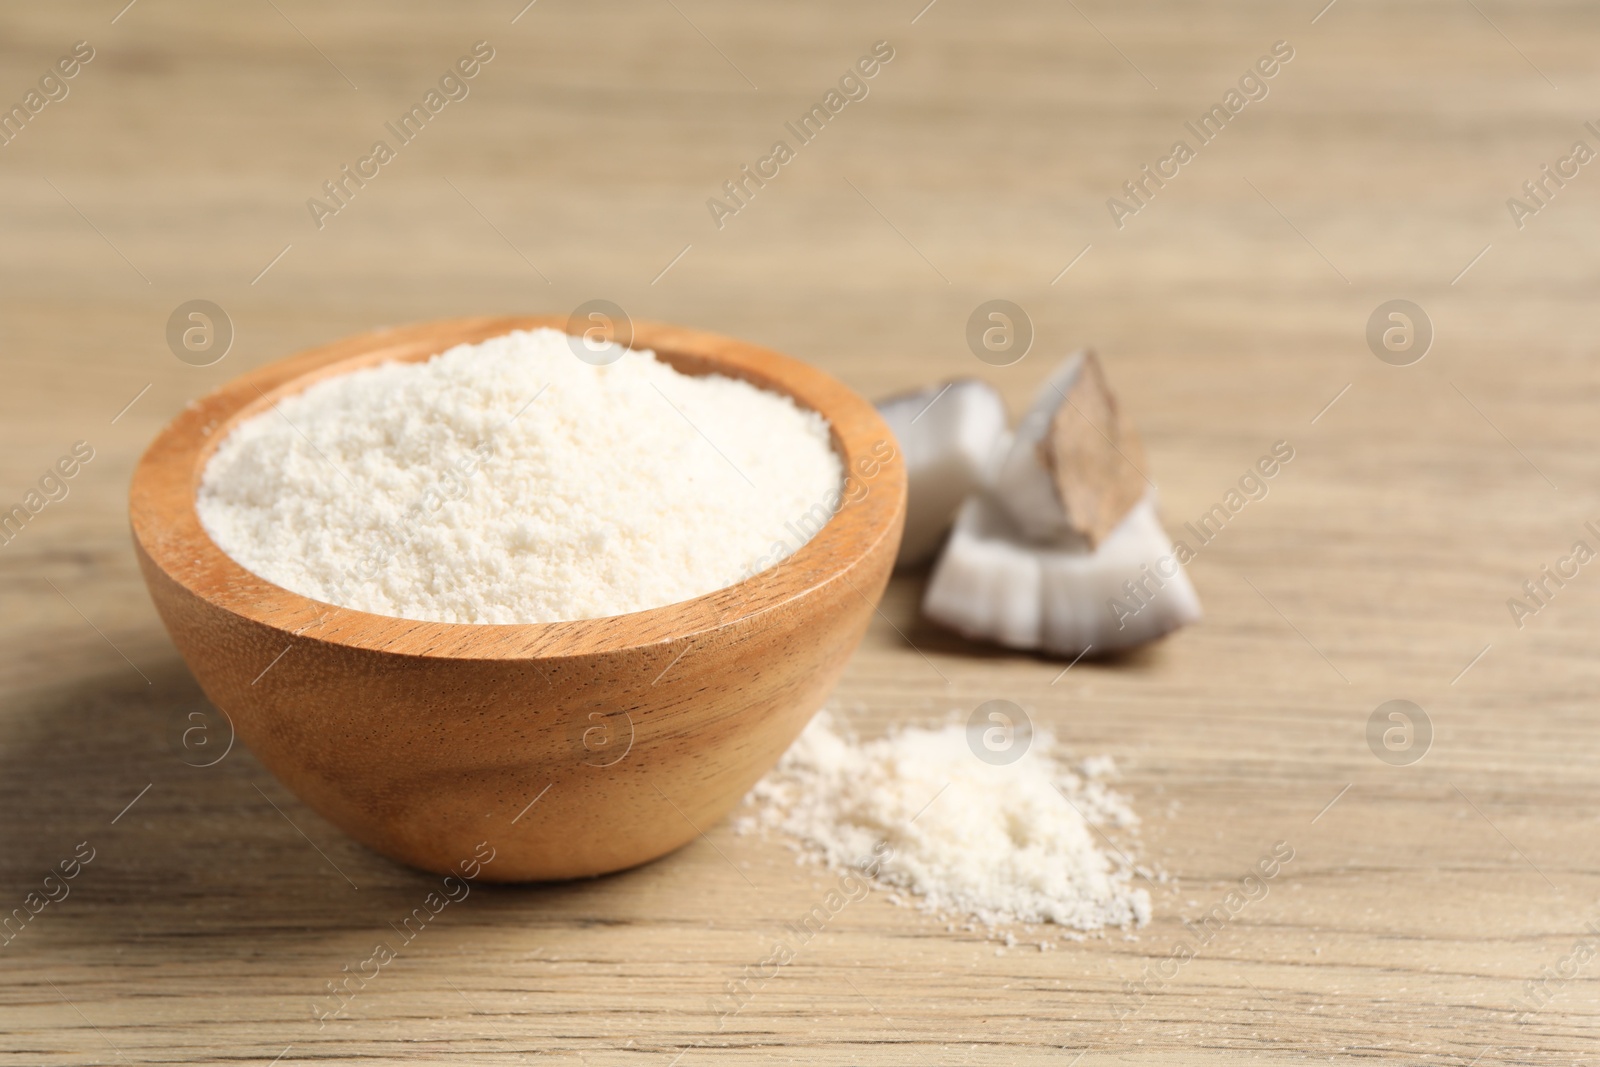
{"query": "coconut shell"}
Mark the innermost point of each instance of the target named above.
(1094, 455)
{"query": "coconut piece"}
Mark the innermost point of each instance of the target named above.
(1129, 590)
(1075, 467)
(949, 436)
(988, 581)
(993, 584)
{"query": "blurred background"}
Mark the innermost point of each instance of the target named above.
(1382, 160)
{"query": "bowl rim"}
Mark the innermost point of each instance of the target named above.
(167, 530)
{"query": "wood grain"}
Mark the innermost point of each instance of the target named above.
(1230, 312)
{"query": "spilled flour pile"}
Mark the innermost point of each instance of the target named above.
(998, 844)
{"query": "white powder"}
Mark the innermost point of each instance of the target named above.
(511, 482)
(999, 844)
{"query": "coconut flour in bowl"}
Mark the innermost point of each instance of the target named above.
(511, 482)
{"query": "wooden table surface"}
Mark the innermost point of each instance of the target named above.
(1231, 310)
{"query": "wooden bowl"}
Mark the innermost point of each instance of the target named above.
(568, 748)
